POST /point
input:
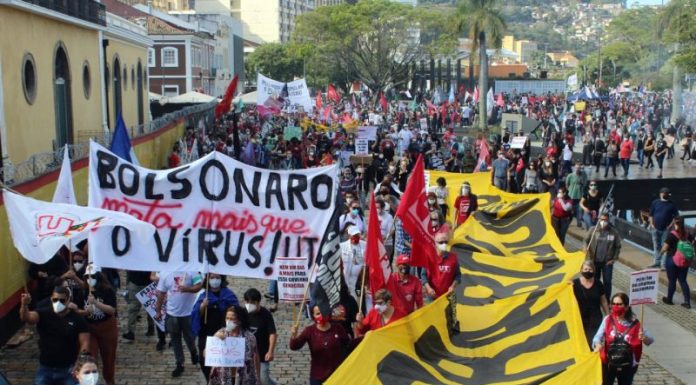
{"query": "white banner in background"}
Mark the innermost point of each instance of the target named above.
(215, 214)
(266, 88)
(298, 94)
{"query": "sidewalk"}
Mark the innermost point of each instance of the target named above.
(638, 258)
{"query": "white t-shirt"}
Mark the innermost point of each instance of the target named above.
(386, 221)
(405, 139)
(179, 304)
(353, 258)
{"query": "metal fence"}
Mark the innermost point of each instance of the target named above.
(45, 162)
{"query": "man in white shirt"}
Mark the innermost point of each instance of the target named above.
(404, 136)
(179, 290)
(386, 226)
(353, 259)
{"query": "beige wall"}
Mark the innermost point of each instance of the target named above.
(31, 128)
(128, 54)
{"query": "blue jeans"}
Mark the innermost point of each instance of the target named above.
(675, 274)
(266, 378)
(606, 272)
(588, 221)
(53, 376)
(560, 225)
(641, 156)
(625, 163)
(658, 239)
(273, 290)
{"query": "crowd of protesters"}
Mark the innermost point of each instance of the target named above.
(200, 306)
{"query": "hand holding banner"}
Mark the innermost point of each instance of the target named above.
(227, 353)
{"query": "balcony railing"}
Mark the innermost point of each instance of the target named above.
(87, 10)
(45, 162)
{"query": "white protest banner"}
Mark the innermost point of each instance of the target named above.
(215, 214)
(361, 146)
(266, 88)
(39, 229)
(644, 286)
(367, 132)
(227, 353)
(298, 93)
(518, 141)
(424, 124)
(148, 298)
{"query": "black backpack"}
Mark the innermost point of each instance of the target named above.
(619, 354)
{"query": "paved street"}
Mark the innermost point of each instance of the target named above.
(139, 363)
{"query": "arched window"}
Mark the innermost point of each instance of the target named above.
(86, 79)
(117, 88)
(29, 78)
(62, 97)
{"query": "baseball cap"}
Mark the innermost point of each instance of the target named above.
(664, 190)
(403, 259)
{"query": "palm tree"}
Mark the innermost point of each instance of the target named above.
(480, 18)
(672, 22)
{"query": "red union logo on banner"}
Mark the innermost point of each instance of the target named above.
(48, 225)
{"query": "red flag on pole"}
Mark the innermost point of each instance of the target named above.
(318, 102)
(376, 257)
(332, 94)
(224, 106)
(484, 155)
(383, 102)
(415, 216)
(476, 95)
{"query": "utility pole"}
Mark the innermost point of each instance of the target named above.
(600, 60)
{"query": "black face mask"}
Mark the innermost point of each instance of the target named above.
(587, 274)
(403, 270)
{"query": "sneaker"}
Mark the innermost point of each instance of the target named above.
(160, 345)
(686, 306)
(130, 337)
(667, 301)
(177, 371)
(194, 358)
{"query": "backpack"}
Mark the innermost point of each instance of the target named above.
(684, 253)
(619, 354)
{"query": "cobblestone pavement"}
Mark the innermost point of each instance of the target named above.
(138, 363)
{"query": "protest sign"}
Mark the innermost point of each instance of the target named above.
(292, 132)
(361, 146)
(518, 141)
(293, 278)
(367, 132)
(424, 124)
(227, 353)
(644, 286)
(298, 93)
(215, 214)
(148, 298)
(267, 88)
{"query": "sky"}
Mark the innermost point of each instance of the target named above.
(646, 2)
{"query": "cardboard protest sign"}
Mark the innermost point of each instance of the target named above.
(227, 353)
(361, 146)
(148, 298)
(215, 214)
(644, 285)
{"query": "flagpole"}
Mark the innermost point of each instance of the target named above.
(362, 287)
(19, 258)
(304, 296)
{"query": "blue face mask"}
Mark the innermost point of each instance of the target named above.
(355, 211)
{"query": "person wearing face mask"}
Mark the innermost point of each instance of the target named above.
(237, 325)
(662, 213)
(352, 216)
(45, 274)
(590, 204)
(441, 195)
(261, 323)
(561, 214)
(383, 313)
(678, 268)
(619, 328)
(625, 151)
(438, 223)
(100, 308)
(465, 204)
(386, 225)
(353, 258)
(442, 277)
(602, 246)
(86, 371)
(348, 183)
(592, 301)
(208, 313)
(499, 176)
(548, 177)
(63, 334)
(661, 151)
(575, 183)
(326, 341)
(406, 289)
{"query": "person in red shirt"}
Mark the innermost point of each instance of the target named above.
(174, 160)
(625, 151)
(561, 213)
(326, 342)
(441, 278)
(406, 289)
(465, 204)
(382, 314)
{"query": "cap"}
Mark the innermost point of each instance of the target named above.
(664, 190)
(403, 259)
(353, 230)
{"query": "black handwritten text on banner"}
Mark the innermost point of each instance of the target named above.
(214, 214)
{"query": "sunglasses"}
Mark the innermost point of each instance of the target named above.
(61, 300)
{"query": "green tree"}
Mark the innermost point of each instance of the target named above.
(276, 61)
(482, 19)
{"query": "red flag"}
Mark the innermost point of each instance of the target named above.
(376, 258)
(319, 103)
(415, 216)
(476, 95)
(431, 107)
(383, 102)
(332, 94)
(226, 102)
(484, 154)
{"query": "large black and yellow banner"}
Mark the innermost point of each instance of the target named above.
(514, 319)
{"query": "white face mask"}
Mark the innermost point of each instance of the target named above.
(381, 308)
(432, 201)
(465, 191)
(58, 307)
(386, 207)
(92, 282)
(442, 246)
(559, 195)
(230, 325)
(89, 379)
(603, 224)
(78, 266)
(250, 307)
(215, 282)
